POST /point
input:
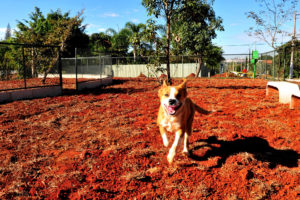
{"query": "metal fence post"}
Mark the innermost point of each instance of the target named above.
(24, 67)
(76, 70)
(60, 68)
(99, 65)
(87, 67)
(284, 62)
(182, 66)
(273, 65)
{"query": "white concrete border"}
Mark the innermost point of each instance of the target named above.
(30, 93)
(94, 83)
(287, 91)
(51, 91)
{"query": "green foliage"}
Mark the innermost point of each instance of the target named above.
(100, 42)
(8, 32)
(284, 51)
(135, 38)
(153, 34)
(57, 29)
(164, 8)
(194, 25)
(120, 42)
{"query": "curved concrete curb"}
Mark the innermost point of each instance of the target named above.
(30, 93)
(288, 92)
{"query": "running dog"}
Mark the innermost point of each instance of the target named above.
(175, 115)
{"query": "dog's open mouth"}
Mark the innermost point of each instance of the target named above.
(171, 109)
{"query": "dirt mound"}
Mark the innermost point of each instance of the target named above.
(223, 75)
(142, 75)
(163, 76)
(105, 143)
(192, 75)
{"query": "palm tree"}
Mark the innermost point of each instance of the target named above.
(136, 33)
(119, 40)
(154, 34)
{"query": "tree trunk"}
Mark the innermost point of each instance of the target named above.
(134, 54)
(199, 66)
(168, 48)
(32, 63)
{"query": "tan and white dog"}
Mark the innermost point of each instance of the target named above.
(175, 115)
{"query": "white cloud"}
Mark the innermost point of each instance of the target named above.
(111, 14)
(234, 24)
(135, 20)
(94, 28)
(102, 29)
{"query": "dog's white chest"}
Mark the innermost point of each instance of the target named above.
(170, 124)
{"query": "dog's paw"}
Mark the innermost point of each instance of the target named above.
(165, 141)
(186, 153)
(170, 157)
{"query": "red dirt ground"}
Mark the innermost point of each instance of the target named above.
(68, 83)
(104, 144)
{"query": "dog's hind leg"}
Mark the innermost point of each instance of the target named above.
(185, 144)
(187, 133)
(164, 136)
(172, 150)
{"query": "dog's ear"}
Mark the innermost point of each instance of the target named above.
(183, 84)
(165, 83)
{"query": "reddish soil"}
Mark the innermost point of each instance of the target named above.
(225, 75)
(163, 76)
(32, 82)
(105, 144)
(142, 75)
(192, 75)
(68, 83)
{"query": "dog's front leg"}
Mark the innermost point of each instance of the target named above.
(163, 133)
(172, 150)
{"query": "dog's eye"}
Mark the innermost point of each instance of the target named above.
(166, 95)
(178, 95)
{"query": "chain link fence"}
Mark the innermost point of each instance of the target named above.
(273, 65)
(276, 64)
(81, 69)
(25, 66)
(151, 66)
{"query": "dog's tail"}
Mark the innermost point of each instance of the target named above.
(201, 110)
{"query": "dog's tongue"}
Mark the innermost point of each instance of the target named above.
(171, 109)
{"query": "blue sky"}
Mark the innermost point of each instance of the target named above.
(103, 14)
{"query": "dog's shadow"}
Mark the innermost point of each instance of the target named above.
(259, 147)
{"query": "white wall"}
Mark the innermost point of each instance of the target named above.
(134, 70)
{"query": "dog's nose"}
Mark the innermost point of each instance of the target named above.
(172, 101)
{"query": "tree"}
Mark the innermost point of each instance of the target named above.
(195, 25)
(8, 32)
(55, 29)
(284, 53)
(152, 34)
(269, 20)
(120, 41)
(214, 55)
(163, 8)
(136, 31)
(100, 42)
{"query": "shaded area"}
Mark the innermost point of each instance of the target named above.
(234, 87)
(110, 89)
(259, 147)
